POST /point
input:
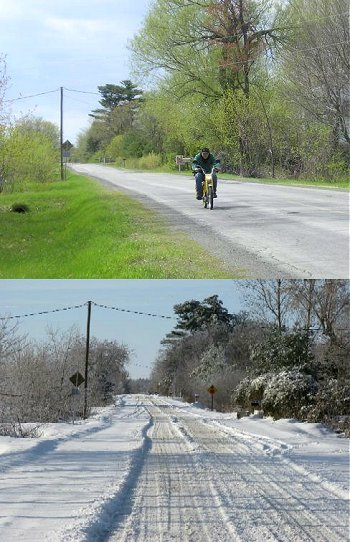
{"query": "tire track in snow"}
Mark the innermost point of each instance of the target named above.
(119, 506)
(173, 499)
(295, 505)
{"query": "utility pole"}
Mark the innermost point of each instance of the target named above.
(61, 135)
(87, 359)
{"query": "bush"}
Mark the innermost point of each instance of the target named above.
(287, 393)
(28, 157)
(150, 161)
(250, 390)
(282, 395)
(17, 430)
(331, 401)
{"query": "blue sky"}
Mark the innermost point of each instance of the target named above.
(76, 44)
(141, 333)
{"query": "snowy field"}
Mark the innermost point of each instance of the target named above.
(154, 469)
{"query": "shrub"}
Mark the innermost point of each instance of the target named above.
(288, 393)
(251, 389)
(150, 161)
(331, 401)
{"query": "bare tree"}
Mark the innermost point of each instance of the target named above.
(317, 62)
(324, 304)
(269, 299)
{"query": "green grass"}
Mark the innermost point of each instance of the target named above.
(78, 229)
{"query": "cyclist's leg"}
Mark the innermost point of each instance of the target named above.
(199, 181)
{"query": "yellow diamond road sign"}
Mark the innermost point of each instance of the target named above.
(77, 379)
(212, 390)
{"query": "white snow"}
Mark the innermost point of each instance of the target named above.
(155, 469)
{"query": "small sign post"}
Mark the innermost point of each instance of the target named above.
(77, 379)
(180, 160)
(212, 390)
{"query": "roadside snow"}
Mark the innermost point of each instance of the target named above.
(68, 484)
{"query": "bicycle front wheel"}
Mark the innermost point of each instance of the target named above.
(211, 197)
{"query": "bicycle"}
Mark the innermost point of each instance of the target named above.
(207, 188)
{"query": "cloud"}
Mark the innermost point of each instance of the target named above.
(80, 27)
(89, 35)
(10, 10)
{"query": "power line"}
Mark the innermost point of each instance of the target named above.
(41, 312)
(50, 92)
(133, 312)
(81, 91)
(32, 95)
(141, 313)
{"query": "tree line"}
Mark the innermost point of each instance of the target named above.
(287, 352)
(35, 383)
(264, 84)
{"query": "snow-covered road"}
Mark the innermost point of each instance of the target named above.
(153, 469)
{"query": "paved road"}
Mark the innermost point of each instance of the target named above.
(271, 231)
(199, 482)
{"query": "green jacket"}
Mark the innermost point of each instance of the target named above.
(207, 164)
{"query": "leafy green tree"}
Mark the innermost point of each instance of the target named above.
(211, 45)
(120, 104)
(29, 153)
(3, 85)
(243, 31)
(36, 125)
(206, 49)
(241, 123)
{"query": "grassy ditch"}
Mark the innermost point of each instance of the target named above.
(78, 229)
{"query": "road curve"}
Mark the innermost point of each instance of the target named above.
(270, 231)
(199, 482)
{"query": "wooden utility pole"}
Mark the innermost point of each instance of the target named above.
(87, 359)
(61, 135)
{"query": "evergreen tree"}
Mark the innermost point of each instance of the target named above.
(197, 315)
(115, 96)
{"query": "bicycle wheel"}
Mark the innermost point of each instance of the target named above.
(211, 197)
(205, 195)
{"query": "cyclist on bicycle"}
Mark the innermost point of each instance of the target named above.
(206, 161)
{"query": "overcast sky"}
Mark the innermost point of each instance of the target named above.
(140, 332)
(75, 44)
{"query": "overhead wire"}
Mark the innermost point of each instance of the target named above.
(141, 313)
(40, 312)
(32, 95)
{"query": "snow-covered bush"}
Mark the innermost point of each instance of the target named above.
(287, 393)
(331, 401)
(251, 389)
(281, 350)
